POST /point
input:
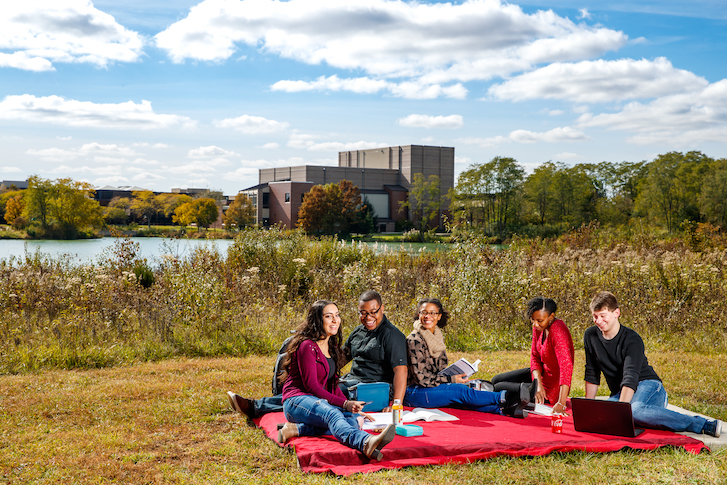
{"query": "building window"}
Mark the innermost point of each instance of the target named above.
(287, 197)
(302, 197)
(266, 200)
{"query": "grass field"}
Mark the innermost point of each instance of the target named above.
(169, 422)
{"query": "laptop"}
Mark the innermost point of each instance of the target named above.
(604, 417)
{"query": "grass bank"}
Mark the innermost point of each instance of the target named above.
(55, 313)
(169, 423)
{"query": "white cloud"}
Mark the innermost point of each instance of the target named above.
(583, 13)
(20, 60)
(425, 121)
(600, 81)
(54, 154)
(365, 85)
(677, 120)
(555, 112)
(252, 125)
(271, 146)
(307, 142)
(41, 32)
(428, 44)
(210, 152)
(552, 136)
(561, 134)
(10, 170)
(69, 112)
(567, 156)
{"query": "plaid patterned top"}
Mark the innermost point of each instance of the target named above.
(423, 368)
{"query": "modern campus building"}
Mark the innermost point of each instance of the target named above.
(384, 176)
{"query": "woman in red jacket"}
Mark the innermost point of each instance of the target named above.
(551, 357)
(312, 401)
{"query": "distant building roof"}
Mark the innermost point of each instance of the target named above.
(6, 184)
(123, 188)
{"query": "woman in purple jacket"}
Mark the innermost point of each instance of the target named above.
(312, 401)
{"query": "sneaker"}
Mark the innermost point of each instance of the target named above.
(712, 428)
(241, 404)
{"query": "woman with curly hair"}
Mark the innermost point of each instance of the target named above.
(312, 401)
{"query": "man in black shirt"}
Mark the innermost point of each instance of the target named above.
(377, 348)
(618, 353)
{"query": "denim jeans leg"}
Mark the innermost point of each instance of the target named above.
(648, 406)
(447, 394)
(265, 405)
(316, 416)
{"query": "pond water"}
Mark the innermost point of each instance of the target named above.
(152, 248)
(89, 250)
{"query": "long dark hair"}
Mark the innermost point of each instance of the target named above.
(445, 314)
(312, 329)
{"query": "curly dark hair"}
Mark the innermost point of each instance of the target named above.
(312, 329)
(445, 314)
(541, 303)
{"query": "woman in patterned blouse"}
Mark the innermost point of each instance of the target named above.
(428, 356)
(551, 358)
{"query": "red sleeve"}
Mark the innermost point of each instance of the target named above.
(563, 346)
(313, 369)
(536, 361)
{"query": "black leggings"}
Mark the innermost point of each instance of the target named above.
(510, 381)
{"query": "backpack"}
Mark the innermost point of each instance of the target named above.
(277, 386)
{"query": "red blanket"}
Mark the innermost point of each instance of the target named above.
(476, 436)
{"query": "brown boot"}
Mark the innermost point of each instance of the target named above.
(289, 430)
(374, 444)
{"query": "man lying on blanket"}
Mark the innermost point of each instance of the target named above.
(618, 352)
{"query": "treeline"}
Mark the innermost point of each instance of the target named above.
(66, 209)
(498, 198)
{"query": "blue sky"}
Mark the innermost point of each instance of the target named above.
(165, 94)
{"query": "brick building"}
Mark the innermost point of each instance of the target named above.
(384, 176)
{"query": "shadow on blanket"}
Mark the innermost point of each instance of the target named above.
(476, 436)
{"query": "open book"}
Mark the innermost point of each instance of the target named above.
(541, 409)
(381, 420)
(462, 366)
(421, 414)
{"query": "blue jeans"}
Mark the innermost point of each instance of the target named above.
(265, 405)
(648, 407)
(315, 416)
(447, 394)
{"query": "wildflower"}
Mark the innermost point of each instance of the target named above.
(391, 271)
(282, 287)
(714, 269)
(253, 270)
(299, 260)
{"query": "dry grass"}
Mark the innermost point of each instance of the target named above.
(169, 422)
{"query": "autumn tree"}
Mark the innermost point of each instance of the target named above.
(14, 208)
(117, 212)
(241, 213)
(202, 212)
(330, 208)
(168, 203)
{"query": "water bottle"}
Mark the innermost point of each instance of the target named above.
(397, 411)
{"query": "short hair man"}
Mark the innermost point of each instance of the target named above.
(618, 352)
(377, 348)
(378, 351)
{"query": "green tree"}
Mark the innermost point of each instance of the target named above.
(539, 192)
(202, 212)
(424, 200)
(37, 201)
(672, 187)
(145, 205)
(62, 208)
(241, 213)
(713, 197)
(488, 195)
